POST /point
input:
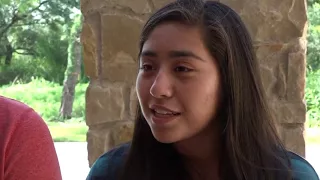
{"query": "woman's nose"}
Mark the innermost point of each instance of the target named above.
(162, 86)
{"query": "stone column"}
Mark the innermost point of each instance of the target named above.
(110, 37)
(279, 29)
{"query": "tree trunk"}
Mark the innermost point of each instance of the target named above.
(72, 75)
(9, 52)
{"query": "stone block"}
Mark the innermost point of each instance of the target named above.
(272, 20)
(289, 112)
(104, 137)
(274, 67)
(137, 6)
(120, 33)
(89, 44)
(105, 102)
(99, 141)
(157, 4)
(89, 6)
(270, 53)
(297, 15)
(280, 87)
(283, 69)
(293, 138)
(120, 48)
(122, 133)
(296, 76)
(120, 72)
(274, 80)
(268, 80)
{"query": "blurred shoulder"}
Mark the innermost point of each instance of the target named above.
(302, 169)
(106, 165)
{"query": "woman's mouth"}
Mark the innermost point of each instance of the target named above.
(162, 115)
(163, 112)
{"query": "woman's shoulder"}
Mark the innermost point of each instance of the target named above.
(302, 169)
(106, 165)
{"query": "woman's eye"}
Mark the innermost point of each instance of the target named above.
(182, 69)
(146, 67)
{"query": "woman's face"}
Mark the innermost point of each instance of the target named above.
(178, 84)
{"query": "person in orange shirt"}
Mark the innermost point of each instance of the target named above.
(27, 151)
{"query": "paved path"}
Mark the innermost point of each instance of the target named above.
(74, 164)
(73, 160)
(313, 156)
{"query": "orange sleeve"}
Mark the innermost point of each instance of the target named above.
(30, 154)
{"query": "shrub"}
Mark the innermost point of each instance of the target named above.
(312, 96)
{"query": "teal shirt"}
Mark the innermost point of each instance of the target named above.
(105, 166)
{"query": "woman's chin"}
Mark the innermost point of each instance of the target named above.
(165, 141)
(165, 138)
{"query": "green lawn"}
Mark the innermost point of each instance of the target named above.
(45, 98)
(68, 132)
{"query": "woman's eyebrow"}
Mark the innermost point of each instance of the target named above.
(148, 53)
(184, 53)
(172, 54)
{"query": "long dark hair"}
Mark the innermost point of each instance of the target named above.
(251, 147)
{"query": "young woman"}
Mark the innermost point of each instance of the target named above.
(202, 110)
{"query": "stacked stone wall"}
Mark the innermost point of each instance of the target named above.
(110, 42)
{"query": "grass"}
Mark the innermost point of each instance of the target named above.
(45, 97)
(73, 131)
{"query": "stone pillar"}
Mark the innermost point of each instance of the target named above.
(278, 29)
(110, 37)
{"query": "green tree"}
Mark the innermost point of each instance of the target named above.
(20, 20)
(35, 30)
(18, 16)
(73, 70)
(311, 2)
(313, 50)
(51, 48)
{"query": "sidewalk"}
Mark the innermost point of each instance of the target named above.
(73, 160)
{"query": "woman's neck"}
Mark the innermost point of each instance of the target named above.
(201, 153)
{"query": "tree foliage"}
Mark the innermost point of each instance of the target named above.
(313, 51)
(36, 30)
(311, 2)
(22, 21)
